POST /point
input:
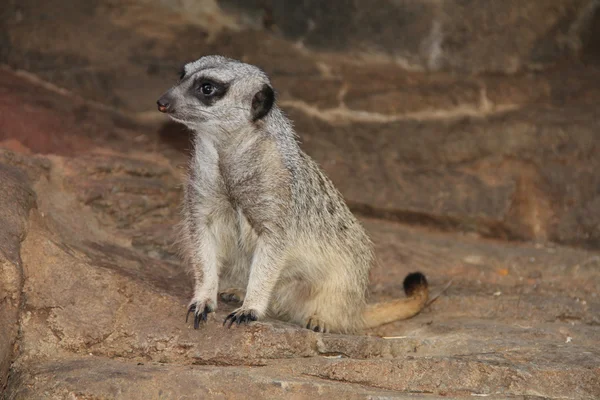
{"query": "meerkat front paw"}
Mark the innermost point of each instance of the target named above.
(241, 315)
(314, 323)
(201, 309)
(233, 295)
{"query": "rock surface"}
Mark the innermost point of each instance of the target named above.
(16, 199)
(509, 157)
(441, 168)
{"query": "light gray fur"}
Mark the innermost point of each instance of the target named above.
(258, 213)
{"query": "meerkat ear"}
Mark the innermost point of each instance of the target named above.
(262, 102)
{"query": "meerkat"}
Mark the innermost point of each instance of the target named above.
(262, 224)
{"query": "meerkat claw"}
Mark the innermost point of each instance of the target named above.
(316, 325)
(231, 318)
(198, 316)
(190, 310)
(240, 317)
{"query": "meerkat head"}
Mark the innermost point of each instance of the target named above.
(216, 93)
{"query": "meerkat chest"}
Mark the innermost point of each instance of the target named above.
(222, 174)
(205, 175)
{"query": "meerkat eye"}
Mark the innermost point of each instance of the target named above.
(207, 89)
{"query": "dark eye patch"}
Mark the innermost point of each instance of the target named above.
(209, 97)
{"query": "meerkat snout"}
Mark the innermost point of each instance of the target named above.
(263, 226)
(163, 105)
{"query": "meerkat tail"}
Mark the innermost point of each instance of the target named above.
(417, 293)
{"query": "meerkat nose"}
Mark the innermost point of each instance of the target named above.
(163, 105)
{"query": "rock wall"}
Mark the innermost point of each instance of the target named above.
(458, 35)
(505, 156)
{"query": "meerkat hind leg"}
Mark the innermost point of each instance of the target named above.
(314, 323)
(325, 308)
(232, 295)
(329, 313)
